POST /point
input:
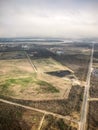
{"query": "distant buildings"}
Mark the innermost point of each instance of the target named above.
(56, 50)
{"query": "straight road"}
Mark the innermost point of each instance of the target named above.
(83, 119)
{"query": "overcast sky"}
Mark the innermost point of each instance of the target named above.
(49, 18)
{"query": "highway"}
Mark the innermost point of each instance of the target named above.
(84, 110)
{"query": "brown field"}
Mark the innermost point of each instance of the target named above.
(19, 80)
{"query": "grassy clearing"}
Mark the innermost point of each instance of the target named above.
(25, 83)
(18, 78)
(18, 81)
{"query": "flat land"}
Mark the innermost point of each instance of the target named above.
(47, 77)
(18, 78)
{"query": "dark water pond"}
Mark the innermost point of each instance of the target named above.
(61, 73)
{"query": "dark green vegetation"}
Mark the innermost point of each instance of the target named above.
(93, 116)
(17, 118)
(53, 123)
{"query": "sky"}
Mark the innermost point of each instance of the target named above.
(49, 18)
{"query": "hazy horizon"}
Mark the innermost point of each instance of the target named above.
(49, 18)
